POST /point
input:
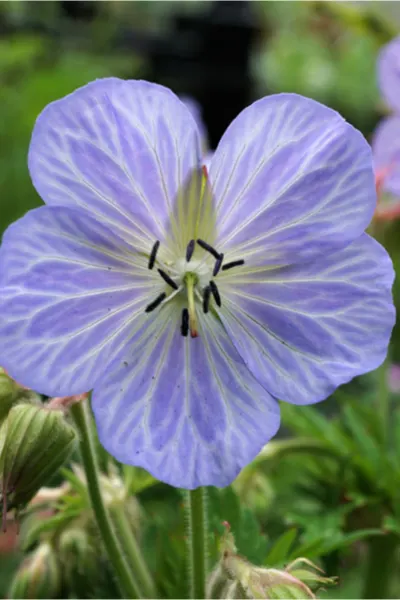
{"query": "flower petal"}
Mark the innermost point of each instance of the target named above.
(187, 410)
(389, 73)
(291, 180)
(303, 330)
(121, 150)
(386, 152)
(70, 291)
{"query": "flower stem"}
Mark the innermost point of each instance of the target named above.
(81, 415)
(197, 536)
(132, 552)
(380, 566)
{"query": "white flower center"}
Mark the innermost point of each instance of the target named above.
(193, 278)
(200, 268)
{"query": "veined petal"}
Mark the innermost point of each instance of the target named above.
(187, 410)
(303, 330)
(291, 180)
(70, 291)
(389, 73)
(119, 149)
(386, 152)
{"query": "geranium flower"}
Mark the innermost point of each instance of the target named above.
(386, 138)
(191, 301)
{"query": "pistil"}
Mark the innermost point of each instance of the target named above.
(191, 281)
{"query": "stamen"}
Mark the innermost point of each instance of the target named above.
(234, 263)
(206, 299)
(190, 250)
(185, 322)
(218, 264)
(205, 171)
(153, 254)
(168, 279)
(215, 293)
(209, 248)
(155, 303)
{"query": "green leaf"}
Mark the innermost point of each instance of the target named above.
(322, 546)
(280, 550)
(224, 505)
(368, 452)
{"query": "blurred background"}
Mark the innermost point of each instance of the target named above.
(332, 479)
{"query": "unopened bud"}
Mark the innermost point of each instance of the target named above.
(235, 577)
(274, 583)
(75, 550)
(233, 590)
(78, 558)
(8, 393)
(38, 576)
(36, 442)
(217, 582)
(11, 393)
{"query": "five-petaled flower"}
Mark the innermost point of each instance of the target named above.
(386, 138)
(190, 301)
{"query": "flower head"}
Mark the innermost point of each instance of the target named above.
(190, 300)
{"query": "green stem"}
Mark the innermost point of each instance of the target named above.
(197, 536)
(132, 552)
(383, 401)
(81, 415)
(380, 566)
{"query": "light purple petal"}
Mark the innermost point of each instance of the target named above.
(389, 73)
(291, 180)
(70, 291)
(119, 149)
(303, 330)
(187, 410)
(386, 152)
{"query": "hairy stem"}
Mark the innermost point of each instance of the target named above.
(133, 553)
(81, 415)
(197, 536)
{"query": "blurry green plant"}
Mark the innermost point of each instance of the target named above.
(336, 482)
(325, 52)
(34, 72)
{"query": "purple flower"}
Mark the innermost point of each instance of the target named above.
(264, 260)
(386, 138)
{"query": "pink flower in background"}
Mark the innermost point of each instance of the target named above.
(386, 139)
(394, 379)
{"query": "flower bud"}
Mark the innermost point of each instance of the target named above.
(36, 442)
(233, 590)
(38, 576)
(8, 392)
(11, 393)
(76, 552)
(235, 577)
(216, 582)
(79, 558)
